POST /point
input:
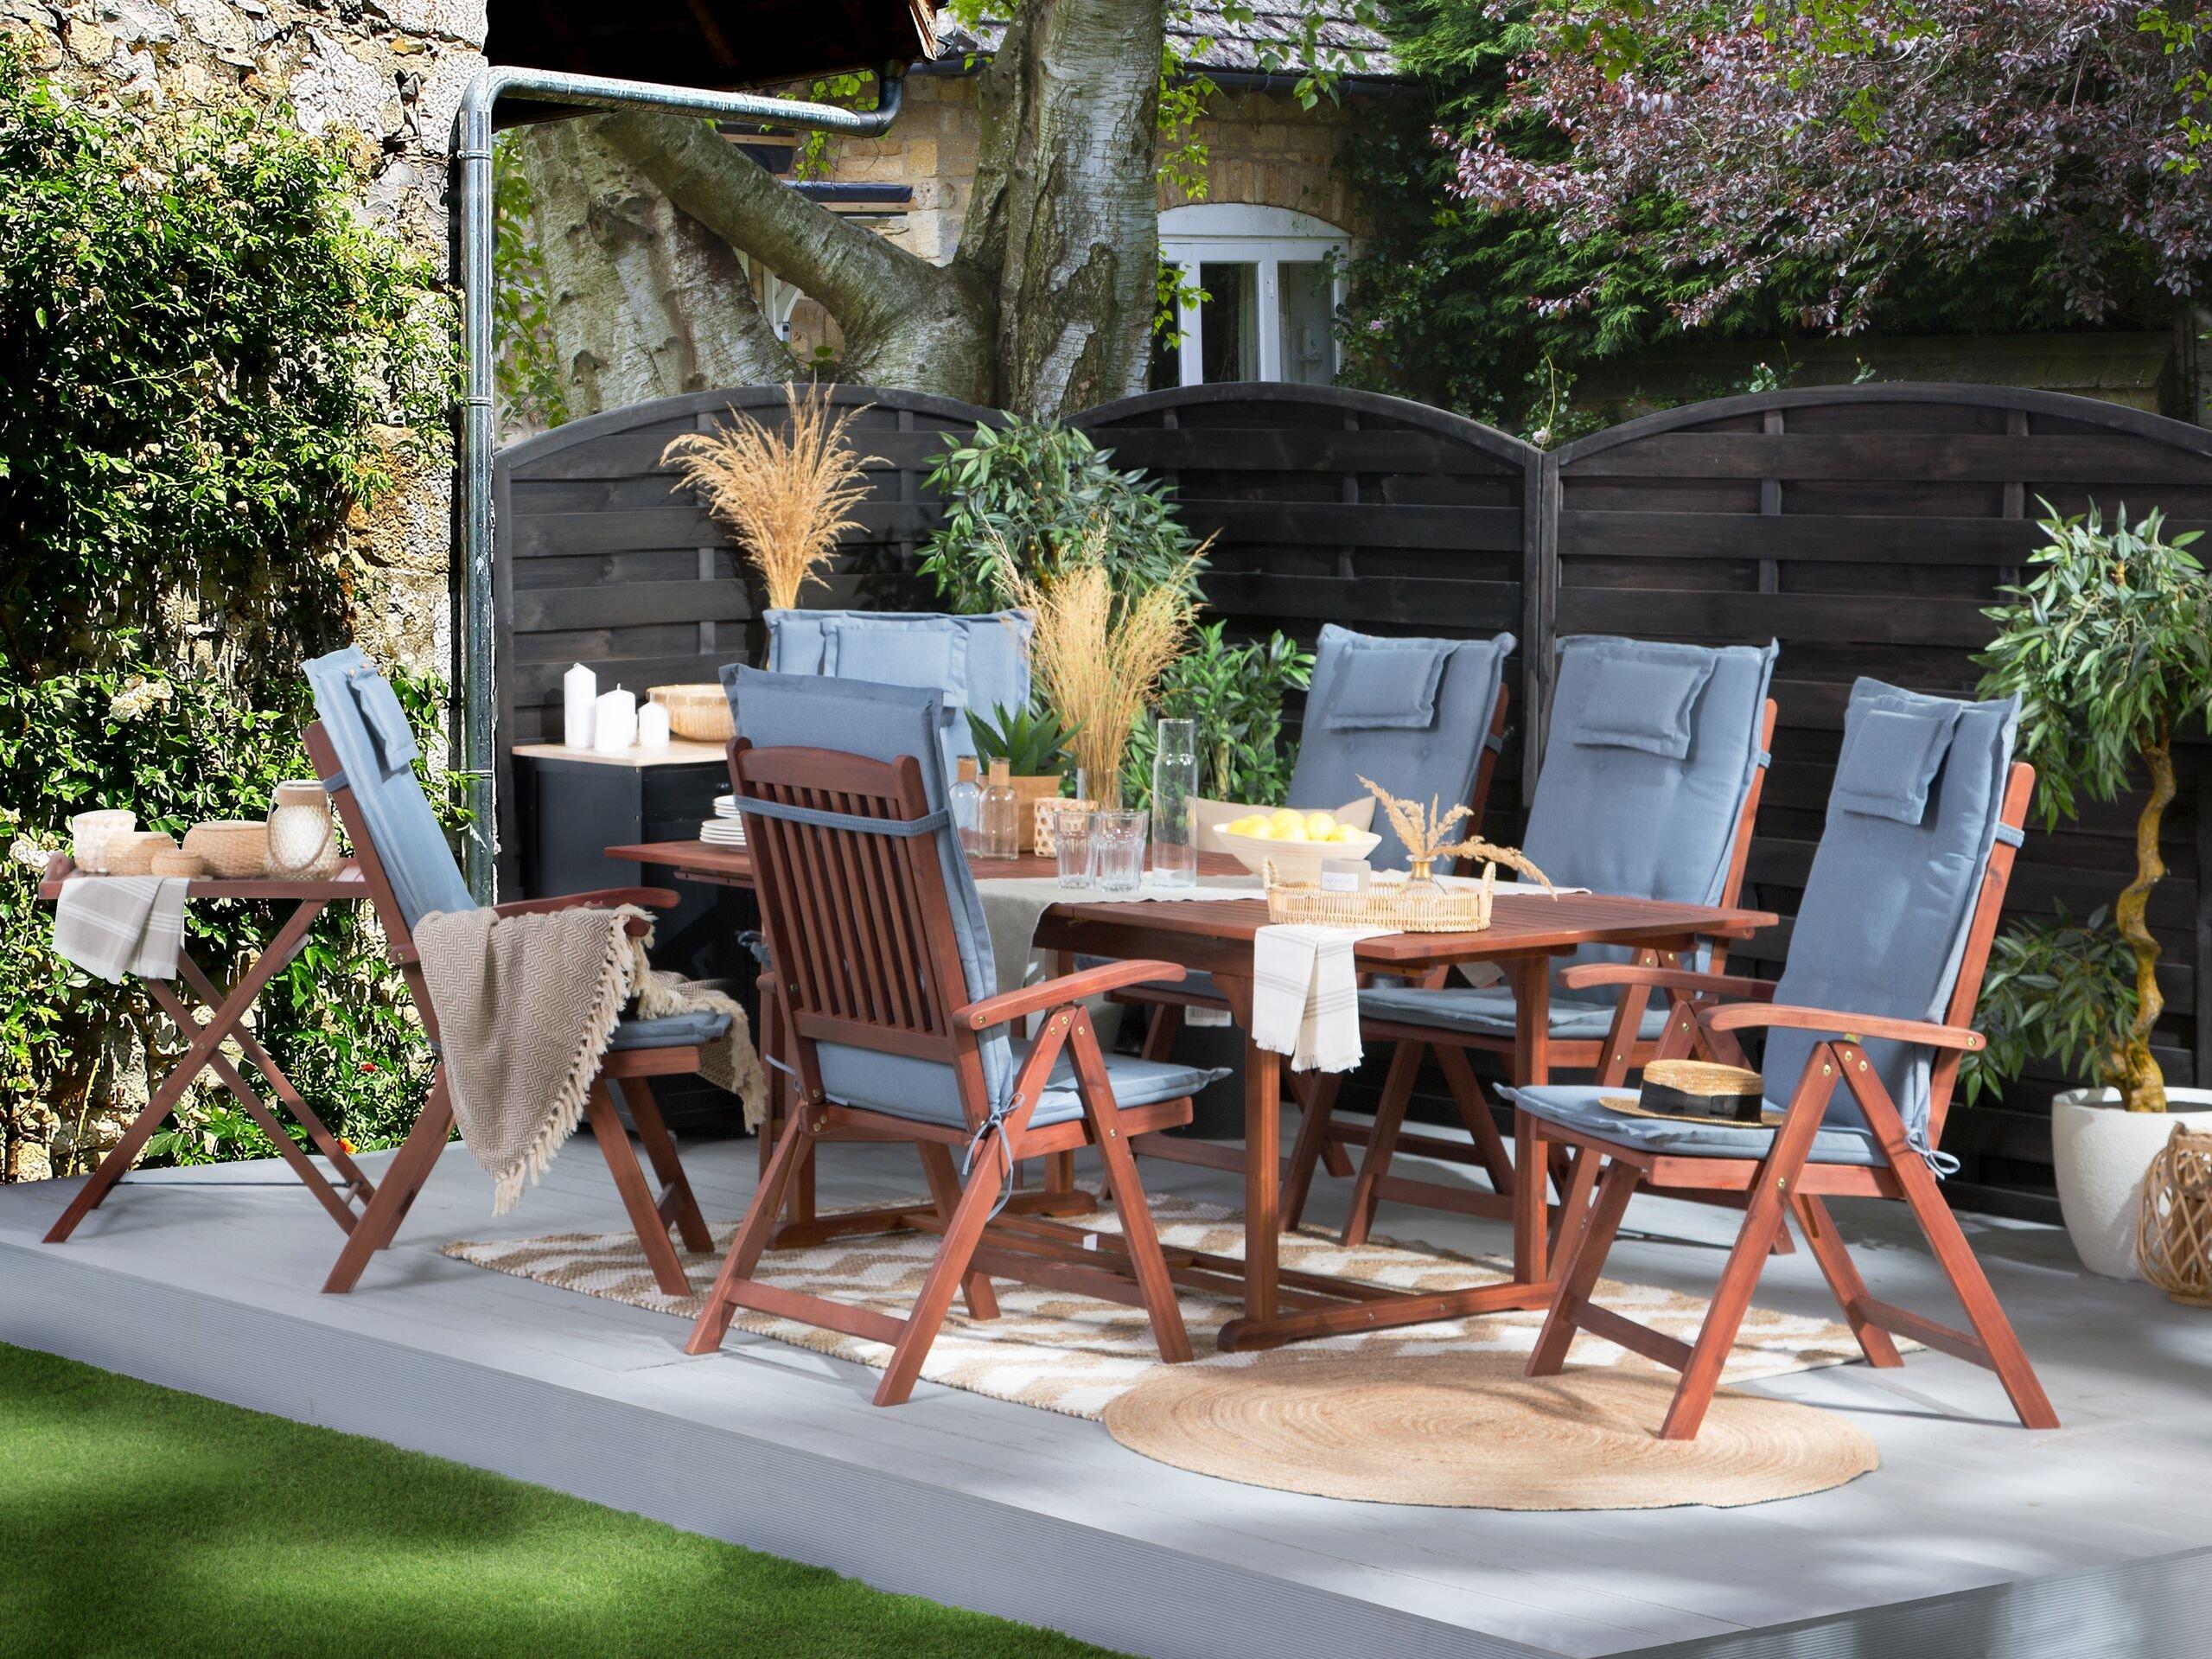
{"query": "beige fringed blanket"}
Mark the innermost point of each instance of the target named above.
(525, 1006)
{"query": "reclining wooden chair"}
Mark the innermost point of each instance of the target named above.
(896, 1030)
(1424, 718)
(1886, 963)
(1650, 784)
(364, 751)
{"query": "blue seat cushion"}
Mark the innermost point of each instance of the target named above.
(1574, 1105)
(1135, 1083)
(669, 1031)
(1488, 1011)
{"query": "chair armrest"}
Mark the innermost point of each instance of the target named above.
(1068, 987)
(648, 898)
(1667, 978)
(1858, 1026)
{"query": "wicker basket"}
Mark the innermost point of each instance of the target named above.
(1399, 906)
(2173, 1240)
(133, 854)
(236, 849)
(187, 865)
(1044, 817)
(701, 713)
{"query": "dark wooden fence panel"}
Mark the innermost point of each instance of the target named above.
(1377, 513)
(1866, 528)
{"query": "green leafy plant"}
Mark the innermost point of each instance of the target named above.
(2108, 646)
(2057, 989)
(1235, 693)
(1031, 500)
(1031, 741)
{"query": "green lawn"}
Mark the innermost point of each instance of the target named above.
(137, 1521)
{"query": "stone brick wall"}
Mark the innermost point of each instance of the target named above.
(385, 74)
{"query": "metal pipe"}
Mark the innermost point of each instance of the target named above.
(473, 528)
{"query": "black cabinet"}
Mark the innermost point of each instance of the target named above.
(569, 808)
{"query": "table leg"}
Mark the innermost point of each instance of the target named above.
(1531, 1064)
(1263, 1158)
(198, 1051)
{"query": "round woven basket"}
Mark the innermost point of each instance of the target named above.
(133, 854)
(179, 864)
(699, 712)
(2173, 1239)
(235, 849)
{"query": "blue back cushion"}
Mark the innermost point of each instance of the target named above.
(1887, 908)
(883, 723)
(972, 662)
(1410, 714)
(362, 716)
(1651, 750)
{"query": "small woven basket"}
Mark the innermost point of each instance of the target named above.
(133, 854)
(2173, 1239)
(236, 849)
(701, 713)
(1045, 821)
(1401, 907)
(187, 865)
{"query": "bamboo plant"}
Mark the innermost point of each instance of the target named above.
(2109, 645)
(785, 495)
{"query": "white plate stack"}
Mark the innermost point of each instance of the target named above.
(725, 828)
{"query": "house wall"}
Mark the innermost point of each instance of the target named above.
(385, 74)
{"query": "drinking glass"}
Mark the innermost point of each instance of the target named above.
(1119, 838)
(1072, 841)
(1174, 783)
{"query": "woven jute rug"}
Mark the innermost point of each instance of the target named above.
(1063, 1352)
(1469, 1431)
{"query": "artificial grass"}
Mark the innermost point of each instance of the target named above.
(138, 1521)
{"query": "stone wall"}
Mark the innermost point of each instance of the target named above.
(387, 75)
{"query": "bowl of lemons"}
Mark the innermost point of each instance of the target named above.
(1295, 841)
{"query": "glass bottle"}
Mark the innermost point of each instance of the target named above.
(963, 800)
(1174, 785)
(998, 815)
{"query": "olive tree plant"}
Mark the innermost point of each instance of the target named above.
(2109, 645)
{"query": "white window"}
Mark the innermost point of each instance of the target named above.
(1273, 283)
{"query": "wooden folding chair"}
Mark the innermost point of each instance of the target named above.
(1613, 819)
(364, 754)
(1454, 756)
(879, 950)
(1885, 889)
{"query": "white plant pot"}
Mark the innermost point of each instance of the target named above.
(2100, 1153)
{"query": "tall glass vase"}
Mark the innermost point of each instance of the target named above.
(1175, 786)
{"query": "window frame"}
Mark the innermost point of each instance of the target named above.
(1223, 233)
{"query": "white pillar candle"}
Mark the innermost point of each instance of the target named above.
(579, 691)
(614, 721)
(653, 726)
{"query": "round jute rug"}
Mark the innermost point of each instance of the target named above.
(1471, 1432)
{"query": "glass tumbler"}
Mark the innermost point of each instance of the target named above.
(1073, 841)
(1118, 856)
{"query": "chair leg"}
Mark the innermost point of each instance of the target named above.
(945, 1275)
(637, 1197)
(1842, 1275)
(1312, 1144)
(1578, 1275)
(1382, 1145)
(409, 1169)
(661, 1148)
(1574, 1204)
(1475, 1113)
(945, 1188)
(1975, 1293)
(1145, 1258)
(794, 1148)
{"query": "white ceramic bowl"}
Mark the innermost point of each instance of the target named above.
(1294, 860)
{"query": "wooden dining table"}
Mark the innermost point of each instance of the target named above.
(1281, 1306)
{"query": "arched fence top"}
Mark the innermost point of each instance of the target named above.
(1401, 412)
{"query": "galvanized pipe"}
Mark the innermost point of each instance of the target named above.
(478, 436)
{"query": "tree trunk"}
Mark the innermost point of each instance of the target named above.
(1046, 308)
(2143, 1086)
(644, 302)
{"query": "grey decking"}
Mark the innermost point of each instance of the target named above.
(212, 1287)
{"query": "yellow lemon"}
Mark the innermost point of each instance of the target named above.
(1344, 832)
(1287, 815)
(1291, 831)
(1320, 826)
(1259, 827)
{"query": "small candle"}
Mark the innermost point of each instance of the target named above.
(614, 721)
(653, 726)
(579, 691)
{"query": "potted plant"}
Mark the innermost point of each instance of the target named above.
(2109, 647)
(1033, 743)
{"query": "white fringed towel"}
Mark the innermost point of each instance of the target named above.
(1305, 994)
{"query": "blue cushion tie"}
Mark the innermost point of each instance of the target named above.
(904, 829)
